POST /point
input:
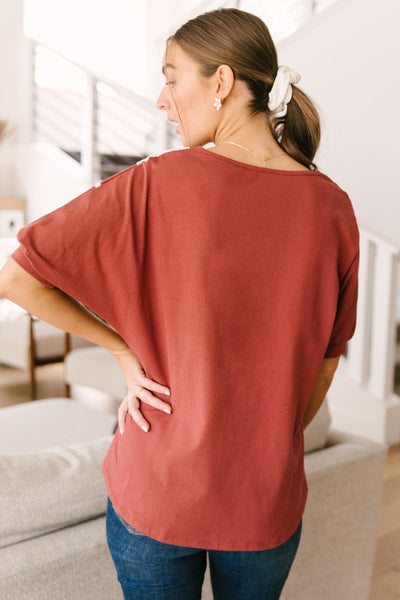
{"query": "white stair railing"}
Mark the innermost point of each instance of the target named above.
(371, 356)
(363, 398)
(92, 117)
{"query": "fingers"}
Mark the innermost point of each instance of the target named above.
(149, 398)
(131, 404)
(155, 387)
(122, 410)
(134, 405)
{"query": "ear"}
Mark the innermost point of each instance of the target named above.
(225, 80)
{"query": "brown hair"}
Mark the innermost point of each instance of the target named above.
(242, 41)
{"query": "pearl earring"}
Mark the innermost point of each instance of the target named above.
(217, 103)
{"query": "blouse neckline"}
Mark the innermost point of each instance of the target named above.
(254, 167)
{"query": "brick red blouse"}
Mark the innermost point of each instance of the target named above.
(230, 283)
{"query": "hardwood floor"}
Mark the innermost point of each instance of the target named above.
(14, 388)
(386, 573)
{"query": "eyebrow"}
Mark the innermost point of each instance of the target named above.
(166, 67)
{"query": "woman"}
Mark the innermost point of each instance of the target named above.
(225, 280)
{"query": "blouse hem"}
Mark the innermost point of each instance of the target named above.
(199, 543)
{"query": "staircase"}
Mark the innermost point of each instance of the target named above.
(110, 163)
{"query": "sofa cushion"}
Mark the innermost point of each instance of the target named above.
(51, 489)
(32, 426)
(71, 564)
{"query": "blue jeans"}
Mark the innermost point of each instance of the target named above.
(150, 570)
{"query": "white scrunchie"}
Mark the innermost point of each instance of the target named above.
(281, 92)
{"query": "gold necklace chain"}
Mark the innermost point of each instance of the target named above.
(265, 158)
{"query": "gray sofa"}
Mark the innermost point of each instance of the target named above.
(53, 498)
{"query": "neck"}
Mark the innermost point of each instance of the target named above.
(255, 134)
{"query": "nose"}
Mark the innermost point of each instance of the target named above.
(162, 102)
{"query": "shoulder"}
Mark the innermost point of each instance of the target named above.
(334, 195)
(343, 215)
(166, 157)
(335, 209)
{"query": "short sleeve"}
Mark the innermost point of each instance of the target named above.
(91, 248)
(346, 314)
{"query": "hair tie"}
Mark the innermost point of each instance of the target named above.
(281, 91)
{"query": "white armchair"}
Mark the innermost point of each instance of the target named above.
(27, 342)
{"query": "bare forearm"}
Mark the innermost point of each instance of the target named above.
(319, 392)
(62, 311)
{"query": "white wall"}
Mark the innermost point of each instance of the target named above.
(11, 76)
(33, 171)
(50, 178)
(349, 61)
(10, 57)
(107, 38)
